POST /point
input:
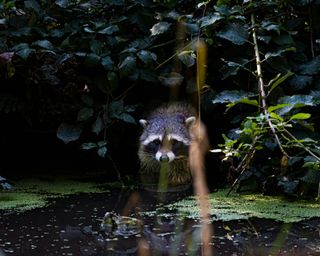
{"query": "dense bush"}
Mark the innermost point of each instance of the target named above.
(87, 66)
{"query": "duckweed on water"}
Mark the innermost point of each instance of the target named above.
(245, 206)
(31, 194)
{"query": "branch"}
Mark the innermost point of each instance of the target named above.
(261, 84)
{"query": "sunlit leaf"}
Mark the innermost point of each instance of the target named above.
(300, 116)
(127, 65)
(88, 145)
(210, 20)
(279, 81)
(299, 82)
(97, 126)
(231, 96)
(235, 32)
(244, 101)
(102, 151)
(188, 58)
(310, 68)
(107, 63)
(146, 56)
(273, 108)
(45, 44)
(160, 28)
(109, 30)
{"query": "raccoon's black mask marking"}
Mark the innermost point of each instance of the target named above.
(166, 138)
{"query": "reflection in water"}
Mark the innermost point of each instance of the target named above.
(167, 233)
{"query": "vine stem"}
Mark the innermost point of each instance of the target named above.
(261, 85)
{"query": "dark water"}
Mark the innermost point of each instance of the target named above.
(71, 226)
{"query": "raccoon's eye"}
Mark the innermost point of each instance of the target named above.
(153, 146)
(176, 145)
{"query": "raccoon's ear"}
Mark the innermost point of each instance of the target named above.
(143, 123)
(190, 120)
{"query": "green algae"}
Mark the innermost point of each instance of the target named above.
(245, 206)
(32, 193)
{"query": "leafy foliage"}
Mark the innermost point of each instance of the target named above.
(86, 66)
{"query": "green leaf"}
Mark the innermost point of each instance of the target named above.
(84, 114)
(231, 96)
(23, 50)
(210, 20)
(273, 108)
(299, 82)
(188, 58)
(279, 80)
(244, 101)
(279, 52)
(68, 132)
(270, 26)
(160, 28)
(127, 118)
(63, 3)
(235, 32)
(97, 126)
(32, 5)
(45, 44)
(102, 151)
(310, 68)
(109, 30)
(300, 116)
(127, 65)
(107, 63)
(275, 116)
(88, 145)
(146, 56)
(294, 102)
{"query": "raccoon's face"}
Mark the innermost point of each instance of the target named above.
(166, 140)
(166, 147)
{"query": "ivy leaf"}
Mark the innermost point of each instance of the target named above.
(188, 58)
(160, 28)
(146, 56)
(270, 26)
(231, 96)
(97, 126)
(88, 145)
(45, 44)
(295, 101)
(300, 116)
(210, 20)
(107, 63)
(127, 65)
(102, 151)
(84, 114)
(68, 132)
(23, 50)
(299, 82)
(235, 32)
(310, 68)
(63, 3)
(279, 52)
(109, 30)
(126, 118)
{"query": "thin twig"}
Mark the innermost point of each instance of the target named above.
(261, 85)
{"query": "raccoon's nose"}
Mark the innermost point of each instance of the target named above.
(164, 158)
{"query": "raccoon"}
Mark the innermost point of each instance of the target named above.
(166, 139)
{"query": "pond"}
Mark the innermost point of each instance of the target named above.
(71, 225)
